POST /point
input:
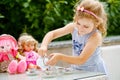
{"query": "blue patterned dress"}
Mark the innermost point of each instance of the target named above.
(95, 63)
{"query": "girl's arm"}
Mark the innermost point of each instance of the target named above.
(53, 35)
(57, 33)
(94, 41)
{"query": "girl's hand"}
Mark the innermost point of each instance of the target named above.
(54, 58)
(42, 50)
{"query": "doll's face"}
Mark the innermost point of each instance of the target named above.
(2, 49)
(5, 46)
(28, 46)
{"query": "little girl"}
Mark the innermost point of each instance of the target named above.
(27, 46)
(87, 30)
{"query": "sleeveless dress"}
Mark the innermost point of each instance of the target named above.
(95, 63)
(31, 57)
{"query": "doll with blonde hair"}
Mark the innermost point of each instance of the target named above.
(27, 46)
(87, 30)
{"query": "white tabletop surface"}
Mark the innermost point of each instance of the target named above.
(75, 75)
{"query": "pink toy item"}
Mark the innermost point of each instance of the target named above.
(8, 45)
(12, 67)
(31, 58)
(21, 66)
(17, 67)
(8, 53)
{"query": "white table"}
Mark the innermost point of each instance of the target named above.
(77, 75)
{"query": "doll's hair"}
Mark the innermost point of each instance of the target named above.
(92, 9)
(26, 38)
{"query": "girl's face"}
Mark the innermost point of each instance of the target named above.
(84, 26)
(29, 46)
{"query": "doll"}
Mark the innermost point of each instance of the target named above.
(8, 52)
(27, 46)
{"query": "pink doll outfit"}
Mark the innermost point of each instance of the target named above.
(4, 55)
(31, 57)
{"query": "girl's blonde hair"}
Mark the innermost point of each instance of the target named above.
(95, 7)
(26, 38)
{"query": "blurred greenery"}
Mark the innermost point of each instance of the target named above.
(37, 17)
(113, 16)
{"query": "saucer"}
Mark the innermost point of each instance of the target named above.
(65, 70)
(68, 71)
(48, 74)
(32, 73)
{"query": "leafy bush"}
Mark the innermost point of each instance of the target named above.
(37, 17)
(113, 17)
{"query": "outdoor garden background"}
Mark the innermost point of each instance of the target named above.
(37, 17)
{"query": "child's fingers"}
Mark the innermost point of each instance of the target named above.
(42, 52)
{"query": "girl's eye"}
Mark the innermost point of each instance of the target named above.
(86, 26)
(78, 23)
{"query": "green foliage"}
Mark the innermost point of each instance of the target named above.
(113, 10)
(58, 14)
(37, 17)
(114, 22)
(22, 16)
